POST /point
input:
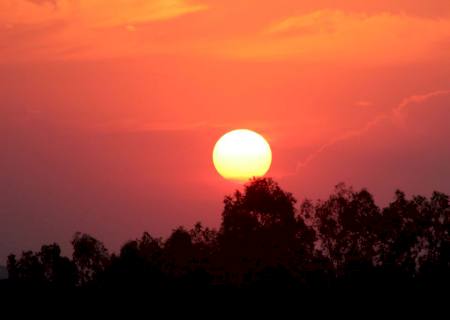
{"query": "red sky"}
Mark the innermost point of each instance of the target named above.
(109, 110)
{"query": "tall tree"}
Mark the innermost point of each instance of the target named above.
(90, 256)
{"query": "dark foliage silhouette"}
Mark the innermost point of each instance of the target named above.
(266, 241)
(45, 268)
(89, 256)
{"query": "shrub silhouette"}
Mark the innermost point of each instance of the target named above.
(266, 241)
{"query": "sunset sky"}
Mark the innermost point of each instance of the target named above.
(110, 109)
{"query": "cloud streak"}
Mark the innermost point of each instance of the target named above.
(394, 115)
(86, 28)
(94, 13)
(54, 3)
(101, 28)
(336, 35)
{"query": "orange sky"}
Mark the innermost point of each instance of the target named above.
(109, 110)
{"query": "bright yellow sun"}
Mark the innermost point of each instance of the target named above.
(242, 154)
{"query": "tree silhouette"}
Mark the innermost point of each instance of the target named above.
(260, 235)
(58, 271)
(178, 254)
(346, 225)
(90, 257)
(138, 264)
(266, 241)
(46, 268)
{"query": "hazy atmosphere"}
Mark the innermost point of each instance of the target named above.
(110, 110)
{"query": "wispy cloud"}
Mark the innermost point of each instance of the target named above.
(335, 35)
(319, 36)
(132, 125)
(94, 13)
(54, 3)
(87, 28)
(363, 103)
(110, 13)
(395, 115)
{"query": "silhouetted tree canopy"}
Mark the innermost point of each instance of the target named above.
(266, 240)
(45, 268)
(90, 257)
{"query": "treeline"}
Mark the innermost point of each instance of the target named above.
(267, 240)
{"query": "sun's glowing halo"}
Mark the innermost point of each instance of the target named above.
(242, 154)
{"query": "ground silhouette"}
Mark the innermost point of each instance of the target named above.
(266, 240)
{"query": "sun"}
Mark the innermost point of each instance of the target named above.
(242, 154)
